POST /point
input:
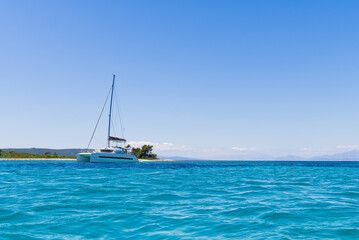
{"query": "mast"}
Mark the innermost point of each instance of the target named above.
(109, 116)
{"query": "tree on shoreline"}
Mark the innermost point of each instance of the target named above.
(145, 152)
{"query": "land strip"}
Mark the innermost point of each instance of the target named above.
(37, 159)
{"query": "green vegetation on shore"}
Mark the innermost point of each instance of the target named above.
(145, 152)
(13, 154)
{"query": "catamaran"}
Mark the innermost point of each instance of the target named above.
(117, 153)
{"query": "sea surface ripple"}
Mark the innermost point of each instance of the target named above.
(189, 200)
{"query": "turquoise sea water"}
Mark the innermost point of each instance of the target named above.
(195, 200)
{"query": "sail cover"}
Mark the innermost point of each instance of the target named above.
(116, 139)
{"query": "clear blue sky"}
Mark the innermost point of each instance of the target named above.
(208, 77)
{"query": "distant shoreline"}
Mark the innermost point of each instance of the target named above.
(74, 159)
(37, 159)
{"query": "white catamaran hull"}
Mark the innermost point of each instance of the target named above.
(106, 158)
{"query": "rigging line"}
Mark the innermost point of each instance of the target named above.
(98, 120)
(119, 113)
(119, 116)
(113, 123)
(113, 127)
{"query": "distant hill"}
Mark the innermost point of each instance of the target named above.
(345, 156)
(66, 152)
